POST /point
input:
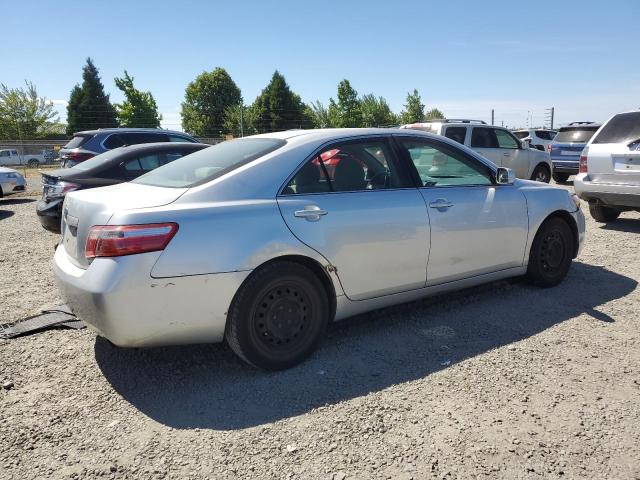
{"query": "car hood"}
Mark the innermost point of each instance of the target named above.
(8, 170)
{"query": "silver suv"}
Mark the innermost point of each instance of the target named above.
(495, 143)
(609, 169)
(90, 143)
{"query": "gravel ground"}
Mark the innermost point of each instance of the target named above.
(504, 381)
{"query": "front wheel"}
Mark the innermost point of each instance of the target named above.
(551, 253)
(603, 214)
(541, 174)
(278, 316)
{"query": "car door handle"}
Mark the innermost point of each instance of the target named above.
(441, 203)
(312, 213)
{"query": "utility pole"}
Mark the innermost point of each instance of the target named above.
(550, 115)
(492, 116)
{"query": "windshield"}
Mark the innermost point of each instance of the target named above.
(205, 165)
(622, 128)
(521, 134)
(575, 134)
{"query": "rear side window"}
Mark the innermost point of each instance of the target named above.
(210, 163)
(78, 141)
(545, 134)
(522, 135)
(349, 167)
(178, 138)
(456, 133)
(575, 134)
(622, 128)
(484, 138)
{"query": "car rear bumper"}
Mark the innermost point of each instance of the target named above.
(50, 214)
(616, 195)
(563, 166)
(119, 299)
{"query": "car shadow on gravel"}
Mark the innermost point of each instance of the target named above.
(15, 201)
(205, 386)
(631, 225)
(6, 214)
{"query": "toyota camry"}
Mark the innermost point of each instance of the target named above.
(262, 241)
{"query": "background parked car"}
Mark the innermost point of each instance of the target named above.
(609, 177)
(90, 143)
(495, 143)
(566, 147)
(11, 181)
(538, 138)
(12, 157)
(115, 166)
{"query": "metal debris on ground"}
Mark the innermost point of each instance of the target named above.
(60, 317)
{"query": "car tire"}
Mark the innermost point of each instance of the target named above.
(33, 163)
(278, 316)
(603, 214)
(541, 174)
(1, 193)
(551, 253)
(561, 177)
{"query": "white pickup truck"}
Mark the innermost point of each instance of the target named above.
(12, 157)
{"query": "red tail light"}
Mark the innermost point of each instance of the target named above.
(549, 147)
(77, 156)
(119, 240)
(582, 168)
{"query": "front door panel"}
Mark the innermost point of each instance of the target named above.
(474, 230)
(377, 239)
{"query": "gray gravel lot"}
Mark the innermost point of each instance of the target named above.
(505, 381)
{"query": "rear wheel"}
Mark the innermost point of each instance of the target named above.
(551, 253)
(541, 174)
(278, 316)
(561, 177)
(33, 163)
(603, 214)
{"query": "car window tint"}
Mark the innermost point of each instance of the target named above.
(521, 134)
(178, 138)
(456, 133)
(442, 166)
(78, 141)
(135, 138)
(149, 162)
(622, 128)
(484, 138)
(4, 153)
(575, 134)
(132, 165)
(505, 139)
(347, 167)
(114, 141)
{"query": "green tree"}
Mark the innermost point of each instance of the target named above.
(239, 120)
(346, 110)
(23, 114)
(89, 106)
(206, 99)
(434, 113)
(320, 115)
(278, 108)
(376, 112)
(139, 109)
(414, 108)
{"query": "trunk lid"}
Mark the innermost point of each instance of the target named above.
(85, 208)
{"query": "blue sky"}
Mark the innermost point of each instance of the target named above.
(464, 57)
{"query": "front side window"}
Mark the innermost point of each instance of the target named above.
(482, 137)
(506, 140)
(442, 166)
(623, 128)
(457, 134)
(114, 141)
(348, 167)
(210, 163)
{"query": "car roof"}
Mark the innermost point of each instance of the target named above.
(580, 124)
(334, 133)
(129, 130)
(157, 146)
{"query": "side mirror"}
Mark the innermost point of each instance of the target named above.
(505, 176)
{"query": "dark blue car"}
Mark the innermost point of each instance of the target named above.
(566, 148)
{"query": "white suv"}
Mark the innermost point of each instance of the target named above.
(609, 171)
(495, 143)
(539, 138)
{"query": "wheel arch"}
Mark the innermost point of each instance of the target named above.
(544, 164)
(316, 268)
(568, 218)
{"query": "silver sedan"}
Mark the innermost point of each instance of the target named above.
(11, 181)
(263, 241)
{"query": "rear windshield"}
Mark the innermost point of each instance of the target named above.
(575, 134)
(622, 128)
(205, 165)
(78, 141)
(98, 159)
(521, 135)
